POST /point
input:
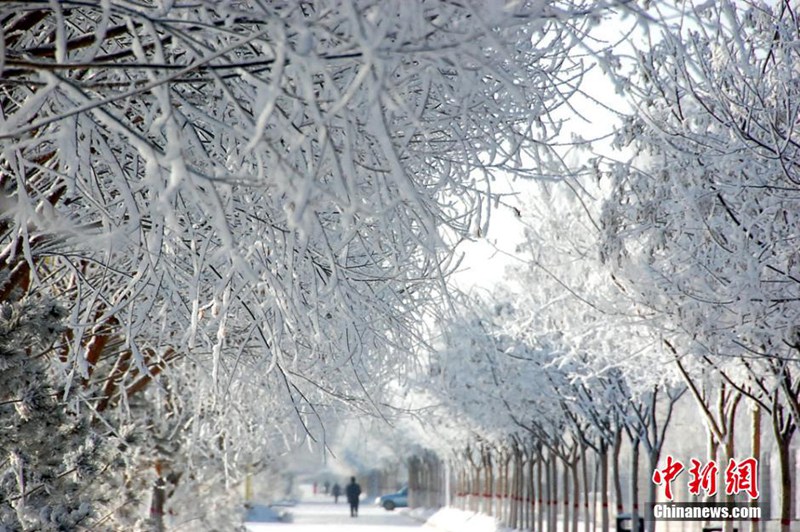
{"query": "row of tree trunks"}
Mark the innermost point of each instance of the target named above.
(426, 481)
(524, 487)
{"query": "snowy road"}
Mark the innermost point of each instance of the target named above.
(318, 515)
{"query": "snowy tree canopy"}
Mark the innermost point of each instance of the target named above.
(261, 179)
(258, 200)
(711, 217)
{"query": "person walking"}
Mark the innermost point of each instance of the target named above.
(336, 490)
(353, 491)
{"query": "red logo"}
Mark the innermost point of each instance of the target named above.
(741, 476)
(666, 475)
(704, 477)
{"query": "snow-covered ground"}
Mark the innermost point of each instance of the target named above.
(455, 520)
(318, 513)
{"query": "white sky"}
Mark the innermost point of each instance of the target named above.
(486, 258)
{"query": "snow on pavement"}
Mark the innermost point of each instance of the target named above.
(319, 514)
(455, 520)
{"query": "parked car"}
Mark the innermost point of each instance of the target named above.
(390, 501)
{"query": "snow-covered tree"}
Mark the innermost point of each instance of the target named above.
(50, 455)
(702, 230)
(252, 203)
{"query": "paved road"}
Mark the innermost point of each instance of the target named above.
(319, 514)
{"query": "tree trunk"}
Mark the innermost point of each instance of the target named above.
(576, 497)
(529, 493)
(604, 521)
(488, 481)
(478, 489)
(552, 493)
(475, 492)
(585, 472)
(532, 492)
(503, 498)
(635, 484)
(519, 490)
(157, 506)
(565, 491)
(728, 452)
(540, 494)
(713, 451)
(649, 518)
(461, 485)
(617, 476)
(755, 449)
(786, 483)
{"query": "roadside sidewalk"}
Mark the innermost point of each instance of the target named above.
(455, 520)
